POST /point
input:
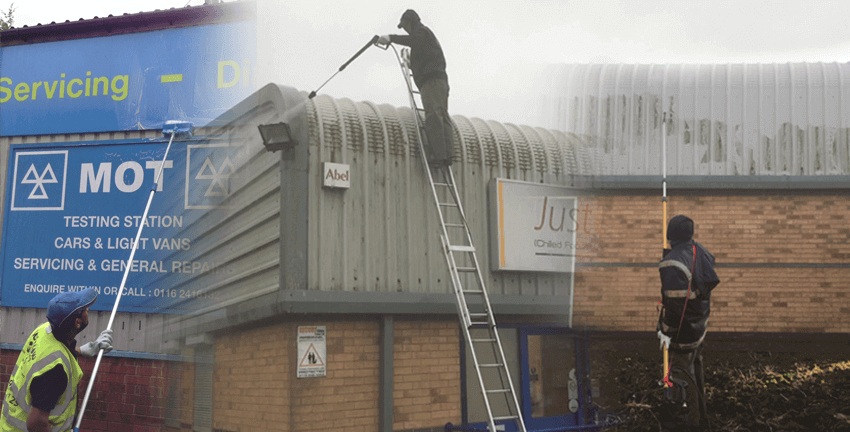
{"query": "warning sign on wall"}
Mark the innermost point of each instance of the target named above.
(312, 352)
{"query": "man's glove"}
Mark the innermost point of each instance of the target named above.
(104, 341)
(665, 340)
(384, 40)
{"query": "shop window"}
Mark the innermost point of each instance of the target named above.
(552, 385)
(547, 365)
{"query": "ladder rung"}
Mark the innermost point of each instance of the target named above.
(452, 225)
(478, 314)
(441, 184)
(478, 323)
(448, 205)
(513, 417)
(484, 340)
(467, 270)
(499, 391)
(461, 248)
(491, 365)
(473, 292)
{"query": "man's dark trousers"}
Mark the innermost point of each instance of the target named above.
(438, 124)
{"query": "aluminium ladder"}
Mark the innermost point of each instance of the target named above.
(473, 303)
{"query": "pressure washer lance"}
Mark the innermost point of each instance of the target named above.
(365, 47)
(173, 128)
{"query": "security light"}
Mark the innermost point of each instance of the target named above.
(276, 136)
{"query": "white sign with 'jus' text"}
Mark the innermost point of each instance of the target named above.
(534, 226)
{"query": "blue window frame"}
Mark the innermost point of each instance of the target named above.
(552, 363)
(553, 386)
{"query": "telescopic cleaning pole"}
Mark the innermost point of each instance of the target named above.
(365, 47)
(173, 128)
(664, 244)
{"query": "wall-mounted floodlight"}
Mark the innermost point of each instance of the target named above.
(276, 136)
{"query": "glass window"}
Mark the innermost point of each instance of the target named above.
(551, 370)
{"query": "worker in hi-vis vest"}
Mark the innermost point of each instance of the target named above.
(687, 279)
(42, 391)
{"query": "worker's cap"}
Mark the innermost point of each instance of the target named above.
(409, 15)
(680, 229)
(69, 304)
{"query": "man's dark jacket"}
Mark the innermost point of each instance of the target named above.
(426, 55)
(674, 269)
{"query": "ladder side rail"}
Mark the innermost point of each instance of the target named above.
(419, 126)
(450, 180)
(487, 304)
(504, 361)
(495, 334)
(463, 307)
(484, 393)
(488, 308)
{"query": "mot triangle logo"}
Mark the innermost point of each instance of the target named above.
(32, 177)
(39, 179)
(219, 186)
(311, 358)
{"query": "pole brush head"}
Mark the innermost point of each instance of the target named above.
(312, 95)
(178, 128)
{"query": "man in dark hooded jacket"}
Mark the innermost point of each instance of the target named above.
(687, 278)
(429, 73)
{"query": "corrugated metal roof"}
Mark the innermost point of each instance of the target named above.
(381, 235)
(723, 119)
(293, 245)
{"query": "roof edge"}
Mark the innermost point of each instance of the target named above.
(712, 182)
(127, 23)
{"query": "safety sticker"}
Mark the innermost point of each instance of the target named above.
(312, 351)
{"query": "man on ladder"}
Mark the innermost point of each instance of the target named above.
(427, 68)
(429, 73)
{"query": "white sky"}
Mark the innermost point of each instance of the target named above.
(499, 52)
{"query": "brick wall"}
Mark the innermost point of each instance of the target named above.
(780, 259)
(182, 375)
(8, 358)
(251, 380)
(128, 395)
(255, 387)
(426, 377)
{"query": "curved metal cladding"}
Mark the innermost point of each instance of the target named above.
(382, 234)
(259, 231)
(723, 119)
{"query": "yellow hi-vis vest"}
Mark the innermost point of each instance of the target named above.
(41, 353)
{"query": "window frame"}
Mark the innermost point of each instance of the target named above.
(569, 422)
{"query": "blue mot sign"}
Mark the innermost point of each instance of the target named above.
(126, 82)
(73, 210)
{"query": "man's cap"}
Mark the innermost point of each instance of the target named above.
(409, 15)
(66, 305)
(680, 229)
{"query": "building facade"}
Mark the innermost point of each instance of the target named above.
(286, 302)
